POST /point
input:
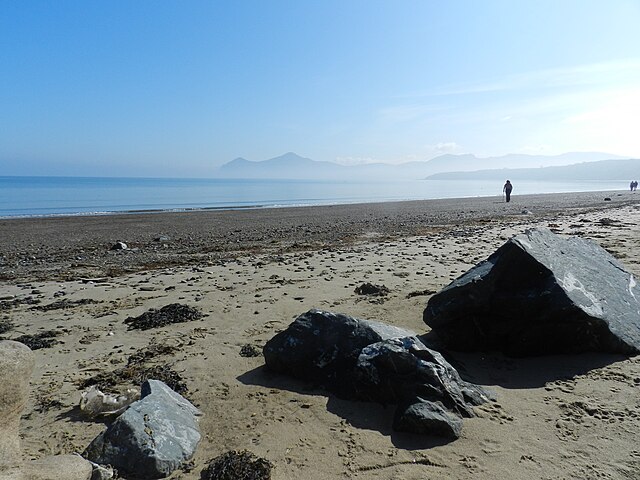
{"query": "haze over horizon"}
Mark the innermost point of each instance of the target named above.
(179, 89)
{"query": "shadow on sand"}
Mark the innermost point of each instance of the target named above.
(363, 415)
(74, 414)
(495, 368)
(531, 372)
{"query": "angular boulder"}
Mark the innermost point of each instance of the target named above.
(540, 293)
(152, 438)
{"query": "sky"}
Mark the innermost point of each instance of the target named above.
(177, 88)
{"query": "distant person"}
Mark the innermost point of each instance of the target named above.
(507, 190)
(631, 185)
(635, 185)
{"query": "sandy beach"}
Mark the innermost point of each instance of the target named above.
(251, 272)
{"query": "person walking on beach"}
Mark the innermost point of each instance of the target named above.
(507, 190)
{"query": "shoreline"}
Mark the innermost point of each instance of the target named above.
(108, 200)
(69, 247)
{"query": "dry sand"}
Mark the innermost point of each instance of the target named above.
(252, 272)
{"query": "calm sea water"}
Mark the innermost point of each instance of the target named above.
(48, 196)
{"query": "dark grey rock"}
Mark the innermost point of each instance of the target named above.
(323, 347)
(364, 360)
(398, 369)
(540, 293)
(152, 438)
(428, 418)
(119, 246)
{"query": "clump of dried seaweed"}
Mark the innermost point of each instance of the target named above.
(237, 465)
(371, 289)
(9, 304)
(249, 350)
(172, 313)
(136, 375)
(5, 326)
(64, 304)
(39, 340)
(138, 370)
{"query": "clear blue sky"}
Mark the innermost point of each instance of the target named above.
(176, 88)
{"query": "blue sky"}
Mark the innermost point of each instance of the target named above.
(150, 88)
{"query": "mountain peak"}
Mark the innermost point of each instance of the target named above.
(289, 156)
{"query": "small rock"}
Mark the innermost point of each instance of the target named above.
(119, 246)
(428, 418)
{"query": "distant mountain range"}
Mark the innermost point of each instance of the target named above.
(623, 170)
(295, 167)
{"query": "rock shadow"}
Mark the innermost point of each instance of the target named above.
(74, 415)
(495, 368)
(531, 372)
(359, 414)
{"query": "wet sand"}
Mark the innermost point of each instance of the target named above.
(252, 272)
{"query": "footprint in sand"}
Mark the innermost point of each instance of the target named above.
(491, 447)
(564, 386)
(495, 412)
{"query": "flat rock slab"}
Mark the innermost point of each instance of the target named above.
(152, 438)
(540, 293)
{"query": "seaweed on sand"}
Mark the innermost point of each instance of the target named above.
(9, 304)
(136, 375)
(5, 326)
(371, 289)
(235, 465)
(138, 371)
(64, 304)
(39, 340)
(249, 350)
(172, 313)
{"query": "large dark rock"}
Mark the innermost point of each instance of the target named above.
(323, 347)
(540, 293)
(364, 360)
(152, 438)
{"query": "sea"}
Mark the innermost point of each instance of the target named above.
(32, 196)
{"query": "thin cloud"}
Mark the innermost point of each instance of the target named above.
(622, 71)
